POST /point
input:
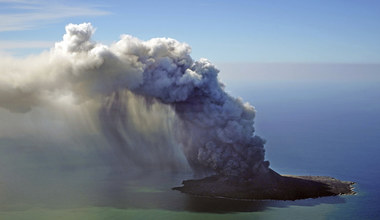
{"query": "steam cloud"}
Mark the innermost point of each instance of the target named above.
(155, 104)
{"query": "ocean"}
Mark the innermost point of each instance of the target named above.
(314, 124)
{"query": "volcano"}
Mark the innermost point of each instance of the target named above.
(270, 185)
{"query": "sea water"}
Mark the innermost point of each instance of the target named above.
(312, 127)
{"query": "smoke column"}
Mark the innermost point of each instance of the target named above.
(155, 104)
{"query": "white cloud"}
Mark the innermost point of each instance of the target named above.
(26, 15)
(149, 99)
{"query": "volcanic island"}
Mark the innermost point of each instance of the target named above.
(267, 186)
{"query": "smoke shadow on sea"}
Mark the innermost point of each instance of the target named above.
(141, 191)
(149, 198)
(152, 191)
(60, 178)
(220, 205)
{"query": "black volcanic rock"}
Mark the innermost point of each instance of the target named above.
(270, 185)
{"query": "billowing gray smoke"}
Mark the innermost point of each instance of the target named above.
(154, 101)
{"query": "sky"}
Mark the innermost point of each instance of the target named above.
(260, 31)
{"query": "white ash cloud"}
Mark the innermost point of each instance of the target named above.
(154, 100)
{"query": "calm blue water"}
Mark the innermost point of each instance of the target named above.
(323, 128)
(311, 128)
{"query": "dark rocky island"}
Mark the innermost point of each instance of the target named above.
(270, 185)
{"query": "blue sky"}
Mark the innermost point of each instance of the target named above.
(318, 31)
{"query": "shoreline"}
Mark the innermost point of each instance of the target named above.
(271, 186)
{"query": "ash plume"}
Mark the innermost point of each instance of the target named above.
(155, 104)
